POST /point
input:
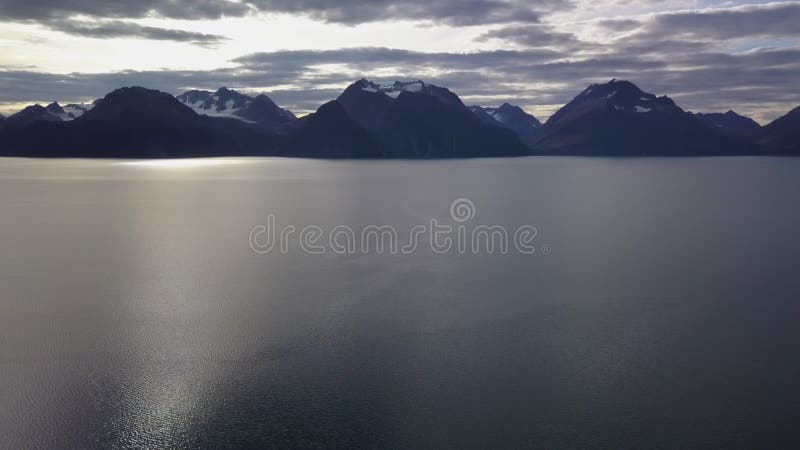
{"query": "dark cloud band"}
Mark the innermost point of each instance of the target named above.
(760, 83)
(46, 10)
(454, 12)
(773, 19)
(109, 29)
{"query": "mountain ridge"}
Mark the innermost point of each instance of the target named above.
(782, 133)
(619, 119)
(512, 117)
(403, 119)
(729, 123)
(134, 122)
(421, 120)
(226, 102)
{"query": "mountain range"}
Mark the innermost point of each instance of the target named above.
(398, 120)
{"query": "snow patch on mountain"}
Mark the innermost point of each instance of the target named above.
(224, 112)
(75, 110)
(512, 117)
(393, 90)
(232, 104)
(618, 97)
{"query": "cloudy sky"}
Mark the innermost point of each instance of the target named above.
(708, 55)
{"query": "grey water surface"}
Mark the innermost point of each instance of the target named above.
(660, 310)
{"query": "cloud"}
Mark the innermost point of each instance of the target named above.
(770, 20)
(744, 57)
(453, 12)
(619, 24)
(45, 10)
(351, 12)
(760, 83)
(372, 58)
(108, 29)
(536, 36)
(663, 32)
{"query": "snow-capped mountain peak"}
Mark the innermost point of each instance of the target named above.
(222, 102)
(525, 125)
(422, 116)
(366, 85)
(230, 103)
(75, 110)
(397, 87)
(394, 89)
(621, 95)
(68, 112)
(616, 96)
(54, 108)
(35, 113)
(513, 116)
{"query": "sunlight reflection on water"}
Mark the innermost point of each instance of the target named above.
(181, 163)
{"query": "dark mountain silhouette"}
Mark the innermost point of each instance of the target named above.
(399, 120)
(484, 117)
(55, 109)
(618, 118)
(729, 123)
(68, 112)
(420, 120)
(526, 126)
(328, 133)
(261, 109)
(229, 103)
(134, 123)
(365, 103)
(32, 114)
(50, 113)
(782, 134)
(136, 105)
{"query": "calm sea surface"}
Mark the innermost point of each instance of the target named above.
(661, 309)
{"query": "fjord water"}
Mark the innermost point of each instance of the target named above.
(134, 314)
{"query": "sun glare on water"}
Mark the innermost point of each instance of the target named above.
(189, 163)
